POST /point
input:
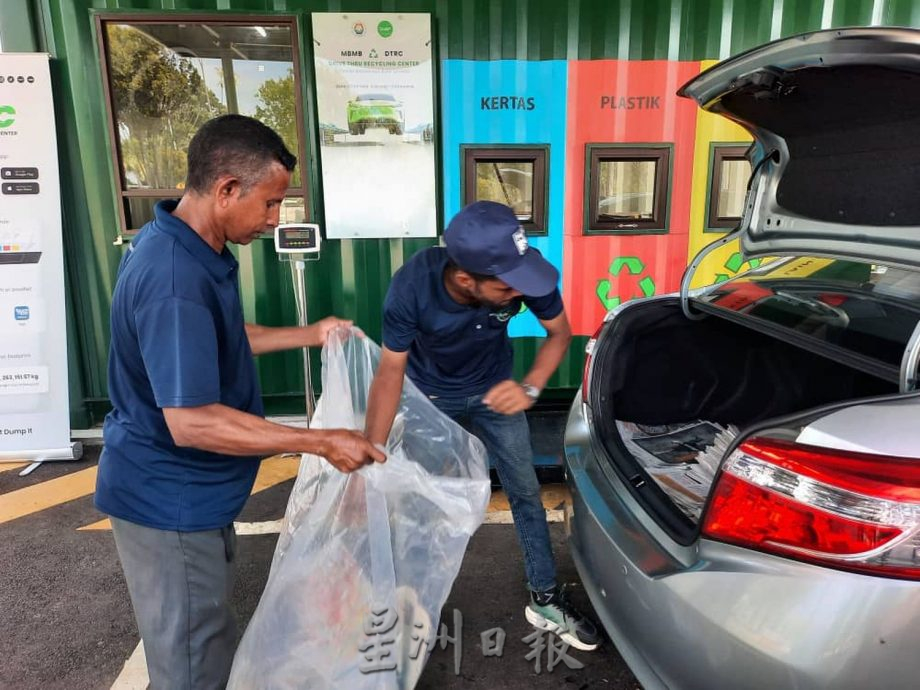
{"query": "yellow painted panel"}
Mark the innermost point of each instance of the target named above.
(800, 268)
(709, 128)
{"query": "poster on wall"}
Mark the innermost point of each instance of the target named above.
(375, 102)
(34, 405)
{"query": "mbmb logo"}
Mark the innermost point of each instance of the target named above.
(6, 116)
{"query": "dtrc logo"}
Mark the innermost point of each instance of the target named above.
(4, 111)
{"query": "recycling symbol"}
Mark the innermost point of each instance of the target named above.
(373, 53)
(633, 266)
(734, 264)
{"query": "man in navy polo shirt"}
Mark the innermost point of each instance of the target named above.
(445, 324)
(186, 433)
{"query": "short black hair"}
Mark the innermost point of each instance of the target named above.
(234, 145)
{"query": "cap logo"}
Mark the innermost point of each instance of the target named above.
(520, 240)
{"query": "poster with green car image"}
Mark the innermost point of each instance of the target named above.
(375, 100)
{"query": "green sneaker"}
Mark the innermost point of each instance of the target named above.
(553, 612)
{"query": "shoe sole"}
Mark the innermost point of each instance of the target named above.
(543, 623)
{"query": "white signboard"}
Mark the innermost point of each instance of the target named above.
(376, 116)
(34, 408)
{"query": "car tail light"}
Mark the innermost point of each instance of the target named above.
(847, 510)
(589, 352)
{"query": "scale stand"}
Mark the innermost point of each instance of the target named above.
(297, 243)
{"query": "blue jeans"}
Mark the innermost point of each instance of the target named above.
(507, 438)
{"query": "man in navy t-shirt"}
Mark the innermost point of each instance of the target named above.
(186, 433)
(445, 325)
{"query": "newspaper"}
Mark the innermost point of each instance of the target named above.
(682, 458)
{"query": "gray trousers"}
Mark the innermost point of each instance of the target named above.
(180, 585)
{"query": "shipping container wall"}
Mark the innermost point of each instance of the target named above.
(626, 105)
(570, 53)
(508, 104)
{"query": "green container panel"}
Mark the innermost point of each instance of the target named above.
(351, 278)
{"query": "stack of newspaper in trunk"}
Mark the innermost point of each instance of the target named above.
(681, 458)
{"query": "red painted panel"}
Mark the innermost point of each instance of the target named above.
(600, 272)
(618, 101)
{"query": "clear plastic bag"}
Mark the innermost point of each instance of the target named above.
(365, 561)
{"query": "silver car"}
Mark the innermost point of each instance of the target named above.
(744, 459)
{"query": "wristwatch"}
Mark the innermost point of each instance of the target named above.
(531, 390)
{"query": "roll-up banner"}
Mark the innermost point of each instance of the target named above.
(376, 117)
(34, 406)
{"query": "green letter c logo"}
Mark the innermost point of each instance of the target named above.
(6, 110)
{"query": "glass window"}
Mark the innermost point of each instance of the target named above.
(855, 307)
(514, 176)
(165, 79)
(730, 172)
(292, 210)
(628, 189)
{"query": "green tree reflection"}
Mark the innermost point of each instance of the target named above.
(160, 101)
(277, 109)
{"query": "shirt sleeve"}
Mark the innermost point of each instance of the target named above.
(178, 343)
(546, 307)
(400, 320)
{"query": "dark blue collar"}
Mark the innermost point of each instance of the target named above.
(221, 266)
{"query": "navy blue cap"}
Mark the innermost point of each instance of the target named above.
(487, 238)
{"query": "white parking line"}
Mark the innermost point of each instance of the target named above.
(249, 528)
(134, 675)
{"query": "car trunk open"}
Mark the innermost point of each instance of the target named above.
(836, 118)
(655, 370)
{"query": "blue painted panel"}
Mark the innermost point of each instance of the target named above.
(467, 120)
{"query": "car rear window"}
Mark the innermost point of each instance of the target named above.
(862, 308)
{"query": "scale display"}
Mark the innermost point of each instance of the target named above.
(297, 238)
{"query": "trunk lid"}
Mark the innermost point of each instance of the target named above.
(836, 120)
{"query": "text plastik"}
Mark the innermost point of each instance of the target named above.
(631, 102)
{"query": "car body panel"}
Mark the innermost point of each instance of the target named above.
(882, 428)
(757, 88)
(724, 616)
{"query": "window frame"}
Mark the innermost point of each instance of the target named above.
(662, 153)
(718, 152)
(536, 154)
(124, 195)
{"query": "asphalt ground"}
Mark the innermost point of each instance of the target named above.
(66, 619)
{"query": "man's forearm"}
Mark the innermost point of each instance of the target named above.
(383, 404)
(264, 339)
(222, 429)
